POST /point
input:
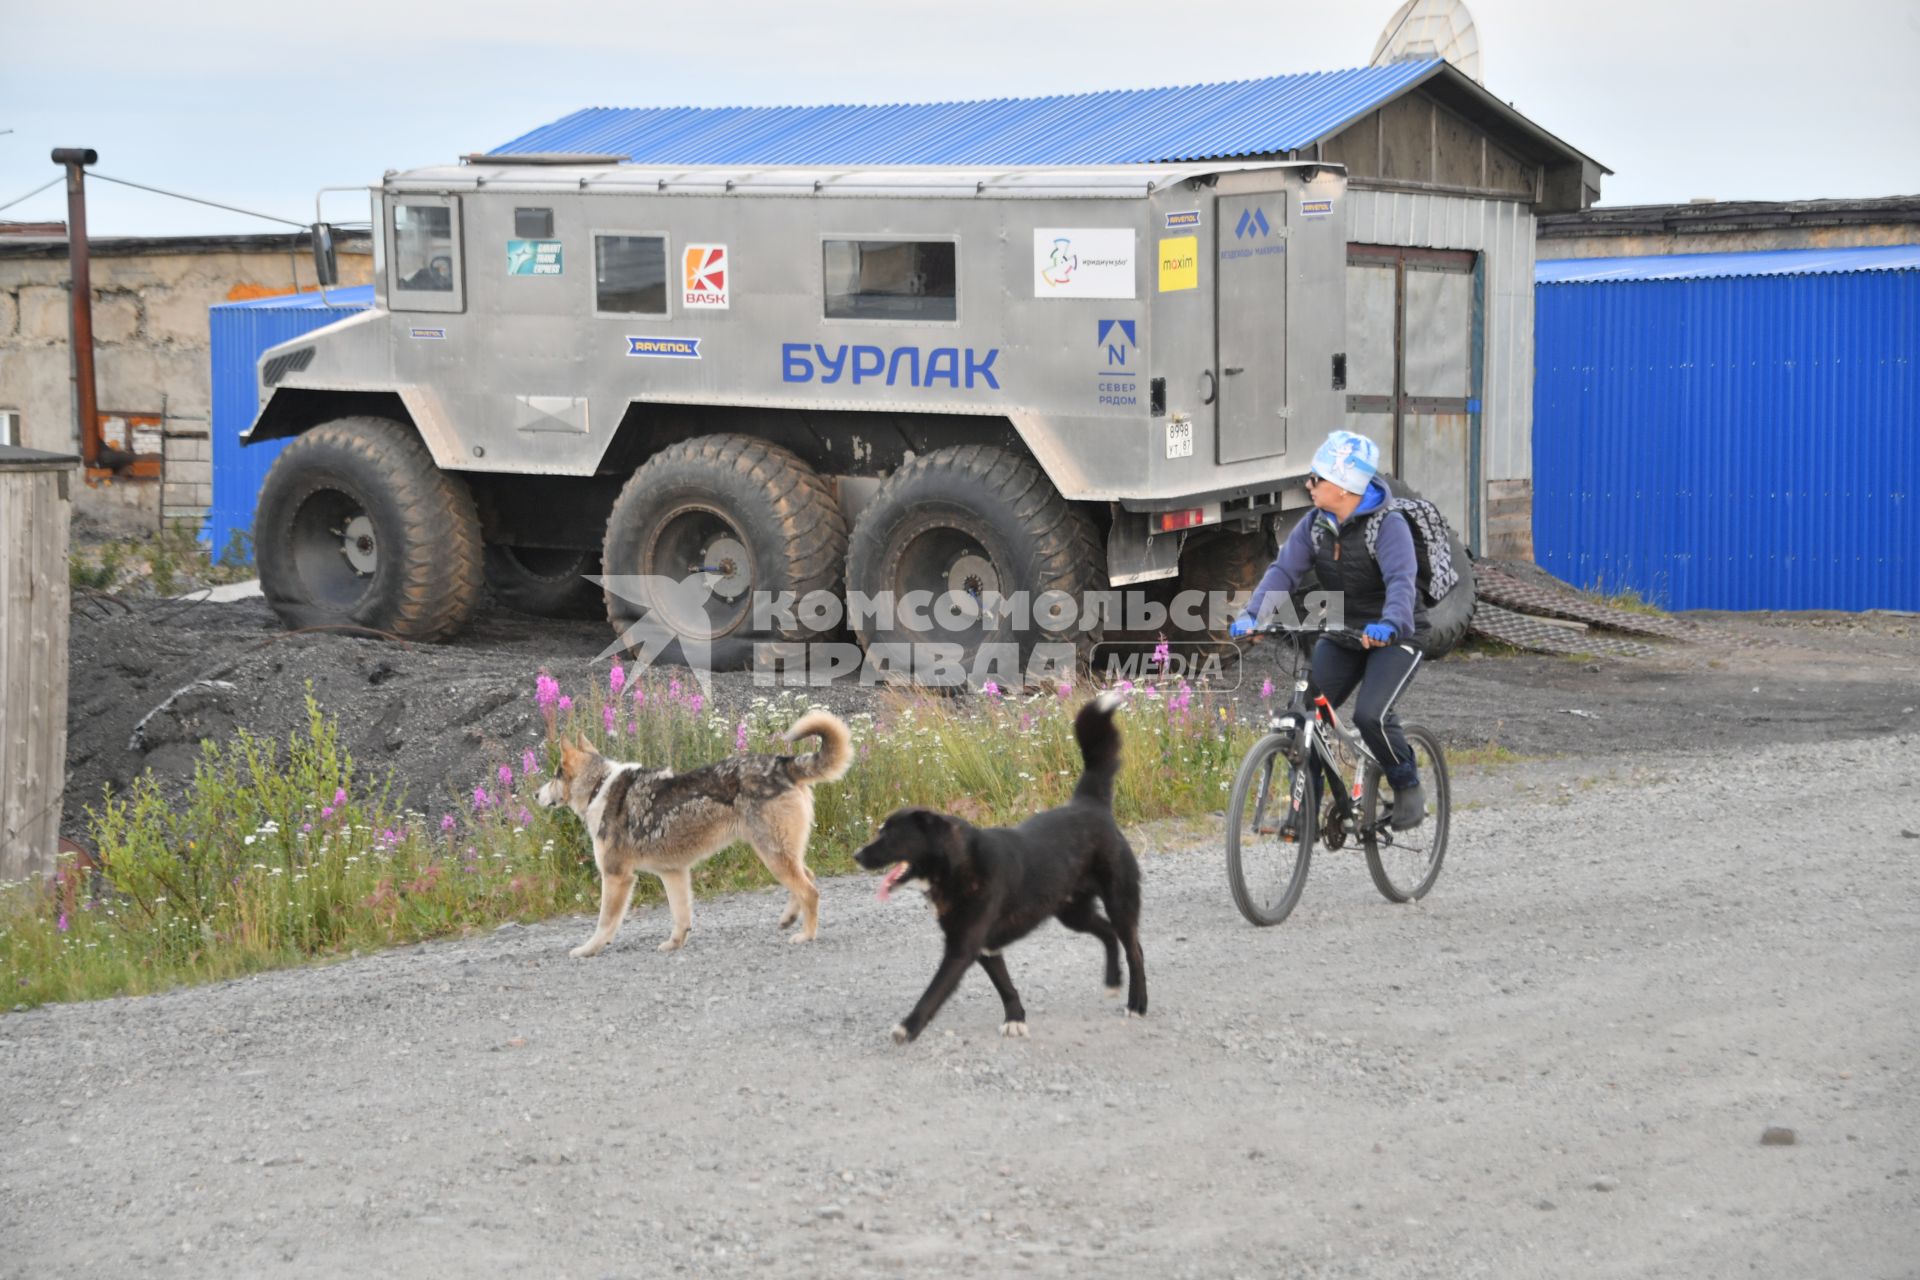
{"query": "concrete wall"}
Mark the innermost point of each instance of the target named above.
(151, 357)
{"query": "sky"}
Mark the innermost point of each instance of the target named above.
(256, 103)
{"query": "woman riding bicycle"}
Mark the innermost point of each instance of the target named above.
(1383, 612)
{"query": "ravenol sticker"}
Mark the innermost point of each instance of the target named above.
(703, 277)
(1179, 263)
(1315, 208)
(426, 333)
(1182, 220)
(533, 257)
(664, 348)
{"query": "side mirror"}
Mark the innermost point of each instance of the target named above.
(326, 268)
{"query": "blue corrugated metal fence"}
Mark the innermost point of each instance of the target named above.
(238, 333)
(1730, 441)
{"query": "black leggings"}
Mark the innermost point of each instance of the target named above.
(1381, 674)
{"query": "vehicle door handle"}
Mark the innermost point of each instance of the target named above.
(1213, 386)
(1230, 372)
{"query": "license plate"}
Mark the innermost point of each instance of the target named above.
(1179, 439)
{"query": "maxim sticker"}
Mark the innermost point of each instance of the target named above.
(1081, 262)
(1179, 263)
(703, 279)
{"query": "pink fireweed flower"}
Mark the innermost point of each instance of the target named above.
(1126, 686)
(524, 817)
(339, 796)
(326, 811)
(308, 826)
(546, 690)
(616, 679)
(633, 728)
(991, 689)
(1065, 691)
(608, 715)
(639, 694)
(480, 800)
(673, 686)
(1266, 688)
(446, 822)
(566, 703)
(695, 702)
(740, 737)
(61, 924)
(528, 765)
(1160, 654)
(506, 777)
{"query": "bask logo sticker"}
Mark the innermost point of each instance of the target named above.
(704, 277)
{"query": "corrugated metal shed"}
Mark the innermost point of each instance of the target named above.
(1743, 435)
(1130, 126)
(238, 333)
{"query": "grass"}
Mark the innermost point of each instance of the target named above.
(1485, 754)
(168, 562)
(283, 854)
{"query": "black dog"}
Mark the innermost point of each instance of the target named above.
(992, 886)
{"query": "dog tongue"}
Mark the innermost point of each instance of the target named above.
(892, 878)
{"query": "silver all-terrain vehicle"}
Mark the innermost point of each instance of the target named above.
(797, 380)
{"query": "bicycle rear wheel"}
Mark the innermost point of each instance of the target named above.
(1404, 864)
(1265, 872)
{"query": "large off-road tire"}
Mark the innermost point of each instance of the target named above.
(545, 582)
(973, 519)
(750, 514)
(358, 527)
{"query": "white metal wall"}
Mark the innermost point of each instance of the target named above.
(1502, 231)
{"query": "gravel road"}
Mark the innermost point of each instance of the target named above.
(1561, 1064)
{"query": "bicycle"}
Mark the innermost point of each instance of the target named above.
(1271, 830)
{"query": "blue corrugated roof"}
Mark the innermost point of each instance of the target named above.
(1129, 126)
(1720, 266)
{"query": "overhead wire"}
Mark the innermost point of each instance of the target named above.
(36, 191)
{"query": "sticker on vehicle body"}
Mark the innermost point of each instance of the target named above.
(1118, 386)
(1183, 220)
(1179, 263)
(704, 273)
(1083, 262)
(1315, 208)
(664, 348)
(533, 258)
(427, 333)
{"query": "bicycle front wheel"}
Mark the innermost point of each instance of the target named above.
(1267, 862)
(1404, 864)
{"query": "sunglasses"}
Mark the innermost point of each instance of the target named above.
(1312, 480)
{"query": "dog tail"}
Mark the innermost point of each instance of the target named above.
(1099, 748)
(830, 762)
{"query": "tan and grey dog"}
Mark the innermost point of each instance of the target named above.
(657, 820)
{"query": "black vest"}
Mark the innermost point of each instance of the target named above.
(1344, 564)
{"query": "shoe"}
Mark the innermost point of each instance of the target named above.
(1288, 831)
(1409, 808)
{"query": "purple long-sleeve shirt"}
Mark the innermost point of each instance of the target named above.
(1394, 553)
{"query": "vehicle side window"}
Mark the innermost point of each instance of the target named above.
(890, 280)
(423, 248)
(630, 274)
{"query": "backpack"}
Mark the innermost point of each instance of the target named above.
(1444, 577)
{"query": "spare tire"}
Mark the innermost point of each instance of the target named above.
(1448, 617)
